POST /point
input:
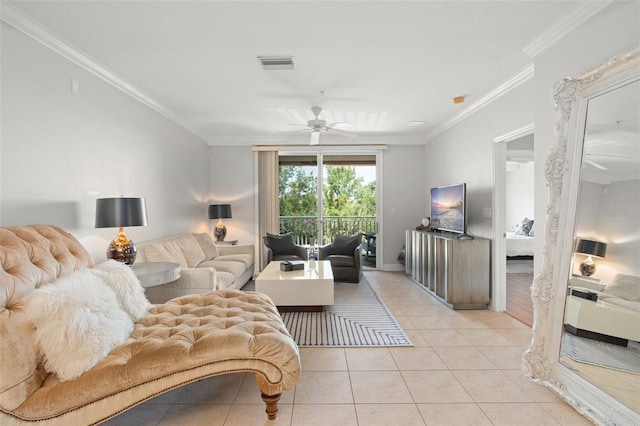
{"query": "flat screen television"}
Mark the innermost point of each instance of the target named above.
(448, 204)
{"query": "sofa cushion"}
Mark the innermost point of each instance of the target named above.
(341, 261)
(345, 244)
(231, 266)
(165, 251)
(245, 259)
(191, 250)
(623, 303)
(224, 280)
(85, 311)
(625, 287)
(280, 244)
(208, 246)
(126, 286)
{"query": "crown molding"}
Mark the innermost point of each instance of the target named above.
(319, 148)
(515, 81)
(28, 26)
(554, 33)
(564, 26)
(516, 134)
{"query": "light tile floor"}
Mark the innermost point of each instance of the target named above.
(463, 370)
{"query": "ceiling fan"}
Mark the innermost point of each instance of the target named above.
(318, 125)
(588, 159)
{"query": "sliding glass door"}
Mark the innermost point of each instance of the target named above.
(326, 194)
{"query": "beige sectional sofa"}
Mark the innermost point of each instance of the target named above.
(204, 266)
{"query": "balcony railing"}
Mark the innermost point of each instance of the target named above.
(307, 229)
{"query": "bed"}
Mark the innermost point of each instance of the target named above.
(519, 245)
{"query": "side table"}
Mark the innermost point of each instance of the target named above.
(227, 243)
(156, 273)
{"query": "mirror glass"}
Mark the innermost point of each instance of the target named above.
(600, 341)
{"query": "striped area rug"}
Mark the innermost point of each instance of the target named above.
(357, 319)
(602, 354)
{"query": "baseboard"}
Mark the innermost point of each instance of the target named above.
(393, 267)
(595, 336)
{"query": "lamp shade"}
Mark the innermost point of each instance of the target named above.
(120, 212)
(220, 211)
(591, 248)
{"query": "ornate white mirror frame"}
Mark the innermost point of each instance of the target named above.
(549, 289)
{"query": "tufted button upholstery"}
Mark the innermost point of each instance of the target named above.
(186, 339)
(30, 256)
(235, 330)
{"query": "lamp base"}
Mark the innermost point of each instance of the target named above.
(122, 249)
(587, 268)
(220, 232)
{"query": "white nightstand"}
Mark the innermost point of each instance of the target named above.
(156, 273)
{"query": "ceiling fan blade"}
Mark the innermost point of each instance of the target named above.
(342, 132)
(306, 127)
(594, 164)
(339, 124)
(622, 157)
(315, 138)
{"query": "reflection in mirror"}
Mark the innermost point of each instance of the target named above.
(602, 317)
(586, 289)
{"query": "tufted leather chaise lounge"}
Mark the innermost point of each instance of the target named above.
(176, 343)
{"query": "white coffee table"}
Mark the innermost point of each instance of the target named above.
(306, 289)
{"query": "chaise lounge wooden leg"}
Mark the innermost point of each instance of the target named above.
(272, 405)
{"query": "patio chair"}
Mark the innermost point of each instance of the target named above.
(369, 245)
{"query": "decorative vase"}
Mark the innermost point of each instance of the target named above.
(311, 240)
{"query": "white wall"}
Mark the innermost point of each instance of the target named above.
(405, 197)
(61, 151)
(464, 153)
(232, 181)
(613, 31)
(609, 213)
(519, 195)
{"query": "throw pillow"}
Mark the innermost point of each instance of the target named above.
(126, 286)
(280, 244)
(77, 322)
(191, 250)
(345, 244)
(524, 227)
(208, 246)
(625, 287)
(166, 251)
(531, 231)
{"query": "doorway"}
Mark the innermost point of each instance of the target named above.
(513, 203)
(323, 194)
(520, 228)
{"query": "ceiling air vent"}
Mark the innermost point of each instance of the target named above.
(277, 62)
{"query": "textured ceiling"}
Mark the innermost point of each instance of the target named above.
(377, 65)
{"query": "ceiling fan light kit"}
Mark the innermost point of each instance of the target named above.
(317, 125)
